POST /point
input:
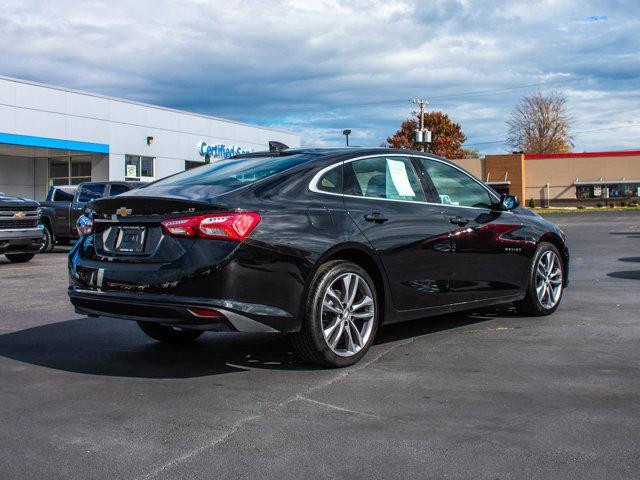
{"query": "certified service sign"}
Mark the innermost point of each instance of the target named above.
(219, 151)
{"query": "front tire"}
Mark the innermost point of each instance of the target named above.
(19, 257)
(341, 316)
(49, 243)
(165, 333)
(546, 283)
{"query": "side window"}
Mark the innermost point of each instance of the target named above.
(383, 177)
(90, 191)
(331, 181)
(117, 189)
(454, 187)
(60, 195)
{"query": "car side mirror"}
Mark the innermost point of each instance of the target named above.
(508, 202)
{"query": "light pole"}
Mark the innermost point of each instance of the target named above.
(346, 133)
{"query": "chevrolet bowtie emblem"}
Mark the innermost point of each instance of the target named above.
(124, 211)
(19, 215)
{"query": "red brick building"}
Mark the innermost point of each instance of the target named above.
(566, 178)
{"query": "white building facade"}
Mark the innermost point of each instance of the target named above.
(55, 136)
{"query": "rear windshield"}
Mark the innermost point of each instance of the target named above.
(235, 172)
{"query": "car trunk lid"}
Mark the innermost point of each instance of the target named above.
(128, 227)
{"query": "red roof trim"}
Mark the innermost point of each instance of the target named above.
(623, 153)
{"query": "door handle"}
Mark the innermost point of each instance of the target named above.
(458, 221)
(375, 217)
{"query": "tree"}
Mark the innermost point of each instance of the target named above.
(540, 124)
(446, 136)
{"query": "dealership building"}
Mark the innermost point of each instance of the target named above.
(56, 136)
(563, 178)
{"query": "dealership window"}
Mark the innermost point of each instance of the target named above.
(137, 167)
(69, 170)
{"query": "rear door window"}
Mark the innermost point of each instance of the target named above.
(90, 191)
(331, 181)
(386, 177)
(117, 189)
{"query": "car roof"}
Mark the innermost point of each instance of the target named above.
(321, 153)
(358, 151)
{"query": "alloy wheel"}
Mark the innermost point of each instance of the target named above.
(348, 313)
(549, 279)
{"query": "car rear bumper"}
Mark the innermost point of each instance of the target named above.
(21, 240)
(179, 310)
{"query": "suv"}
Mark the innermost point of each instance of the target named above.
(65, 203)
(21, 234)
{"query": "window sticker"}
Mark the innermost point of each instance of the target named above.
(132, 171)
(398, 171)
(446, 199)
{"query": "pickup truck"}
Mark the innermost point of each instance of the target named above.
(64, 205)
(21, 234)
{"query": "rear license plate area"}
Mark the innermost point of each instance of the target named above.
(130, 239)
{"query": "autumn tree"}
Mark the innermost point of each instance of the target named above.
(446, 136)
(540, 124)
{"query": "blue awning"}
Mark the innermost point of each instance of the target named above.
(44, 142)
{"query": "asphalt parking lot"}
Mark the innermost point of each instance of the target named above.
(485, 395)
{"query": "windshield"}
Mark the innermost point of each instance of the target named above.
(235, 172)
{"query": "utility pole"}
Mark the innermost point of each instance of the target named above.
(422, 137)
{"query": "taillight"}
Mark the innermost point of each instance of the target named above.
(181, 227)
(227, 226)
(84, 225)
(234, 226)
(206, 312)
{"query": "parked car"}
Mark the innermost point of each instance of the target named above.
(325, 244)
(21, 234)
(64, 205)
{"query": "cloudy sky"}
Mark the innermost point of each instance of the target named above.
(318, 66)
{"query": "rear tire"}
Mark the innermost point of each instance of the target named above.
(165, 333)
(19, 257)
(546, 283)
(48, 243)
(341, 316)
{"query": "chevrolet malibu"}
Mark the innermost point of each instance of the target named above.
(323, 244)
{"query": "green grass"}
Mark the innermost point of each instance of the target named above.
(542, 211)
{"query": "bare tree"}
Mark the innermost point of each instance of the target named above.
(540, 124)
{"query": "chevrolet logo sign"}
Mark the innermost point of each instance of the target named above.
(19, 215)
(124, 211)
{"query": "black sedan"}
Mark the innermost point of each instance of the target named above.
(324, 244)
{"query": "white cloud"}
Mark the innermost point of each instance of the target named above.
(296, 63)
